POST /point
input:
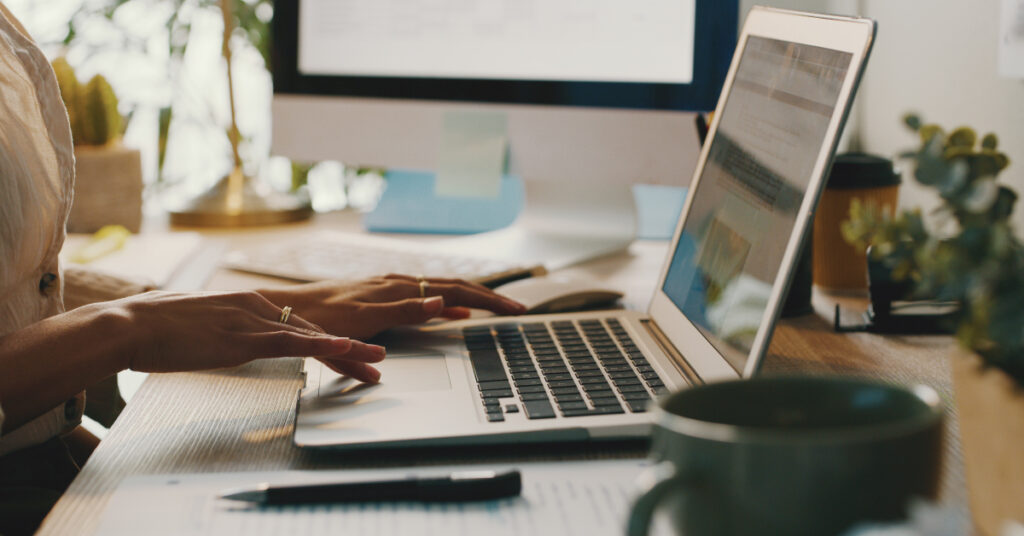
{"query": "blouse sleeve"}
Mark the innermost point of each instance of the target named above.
(83, 286)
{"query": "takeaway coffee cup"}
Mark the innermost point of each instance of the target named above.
(790, 455)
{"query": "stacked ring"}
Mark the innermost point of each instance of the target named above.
(286, 312)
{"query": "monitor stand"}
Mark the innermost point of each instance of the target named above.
(562, 223)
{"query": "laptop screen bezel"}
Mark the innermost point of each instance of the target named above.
(852, 35)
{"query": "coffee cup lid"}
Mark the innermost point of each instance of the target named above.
(861, 170)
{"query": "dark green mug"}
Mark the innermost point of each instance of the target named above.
(790, 455)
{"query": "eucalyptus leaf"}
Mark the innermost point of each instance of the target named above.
(981, 195)
(972, 255)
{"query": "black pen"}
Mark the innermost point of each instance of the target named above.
(462, 486)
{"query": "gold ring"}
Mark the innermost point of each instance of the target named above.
(286, 312)
(420, 278)
(423, 288)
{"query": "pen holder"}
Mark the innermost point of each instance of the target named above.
(108, 189)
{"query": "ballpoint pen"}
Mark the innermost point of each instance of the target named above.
(461, 486)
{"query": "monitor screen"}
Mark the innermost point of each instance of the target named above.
(638, 41)
(745, 206)
(648, 54)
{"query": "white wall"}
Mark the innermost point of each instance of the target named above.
(938, 57)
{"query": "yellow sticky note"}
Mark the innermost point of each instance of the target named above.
(107, 240)
(472, 154)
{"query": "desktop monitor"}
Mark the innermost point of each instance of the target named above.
(592, 92)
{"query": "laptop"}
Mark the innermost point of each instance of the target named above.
(592, 375)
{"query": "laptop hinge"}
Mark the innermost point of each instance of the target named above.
(677, 358)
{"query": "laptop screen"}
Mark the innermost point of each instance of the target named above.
(746, 202)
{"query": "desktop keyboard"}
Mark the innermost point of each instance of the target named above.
(329, 255)
(588, 367)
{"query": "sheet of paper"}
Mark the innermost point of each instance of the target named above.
(151, 257)
(586, 498)
(1011, 39)
(472, 154)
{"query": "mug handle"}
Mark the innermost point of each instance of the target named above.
(656, 481)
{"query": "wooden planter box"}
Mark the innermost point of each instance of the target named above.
(991, 409)
(108, 189)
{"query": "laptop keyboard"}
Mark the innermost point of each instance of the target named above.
(571, 368)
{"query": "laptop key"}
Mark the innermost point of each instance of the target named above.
(601, 393)
(531, 389)
(534, 396)
(605, 401)
(524, 382)
(607, 410)
(637, 406)
(494, 384)
(496, 393)
(572, 405)
(637, 395)
(576, 412)
(538, 409)
(561, 383)
(649, 375)
(558, 376)
(568, 398)
(491, 404)
(496, 416)
(631, 388)
(487, 366)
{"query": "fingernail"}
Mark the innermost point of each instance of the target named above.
(433, 305)
(516, 305)
(380, 351)
(376, 375)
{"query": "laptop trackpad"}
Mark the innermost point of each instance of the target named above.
(406, 372)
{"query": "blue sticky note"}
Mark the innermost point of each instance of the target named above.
(471, 161)
(409, 205)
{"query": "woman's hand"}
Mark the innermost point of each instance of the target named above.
(365, 308)
(196, 331)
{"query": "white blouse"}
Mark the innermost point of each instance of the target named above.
(36, 178)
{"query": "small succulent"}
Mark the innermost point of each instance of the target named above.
(972, 256)
(92, 108)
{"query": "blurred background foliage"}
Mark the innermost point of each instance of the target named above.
(971, 255)
(163, 58)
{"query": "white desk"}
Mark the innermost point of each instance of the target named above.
(241, 419)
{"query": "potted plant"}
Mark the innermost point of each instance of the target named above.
(970, 255)
(108, 175)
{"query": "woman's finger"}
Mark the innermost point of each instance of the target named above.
(458, 295)
(456, 313)
(359, 371)
(455, 292)
(439, 281)
(295, 344)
